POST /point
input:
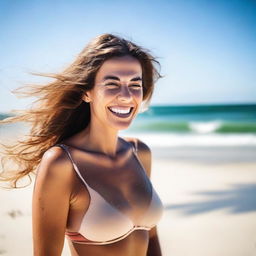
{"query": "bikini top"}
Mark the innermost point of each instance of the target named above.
(103, 224)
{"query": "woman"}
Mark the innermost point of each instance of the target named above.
(92, 185)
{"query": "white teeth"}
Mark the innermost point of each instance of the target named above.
(121, 111)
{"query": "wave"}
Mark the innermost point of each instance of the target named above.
(205, 127)
(199, 127)
(194, 140)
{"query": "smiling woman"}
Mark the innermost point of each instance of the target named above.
(116, 98)
(91, 185)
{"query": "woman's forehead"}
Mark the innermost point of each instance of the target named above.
(126, 66)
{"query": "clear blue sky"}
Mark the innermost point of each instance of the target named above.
(207, 49)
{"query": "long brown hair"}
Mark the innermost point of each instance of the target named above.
(59, 111)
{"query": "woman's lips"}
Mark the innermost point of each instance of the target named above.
(121, 115)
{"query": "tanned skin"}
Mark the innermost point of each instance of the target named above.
(60, 199)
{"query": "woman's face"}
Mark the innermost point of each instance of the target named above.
(117, 93)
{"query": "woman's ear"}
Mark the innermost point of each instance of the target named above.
(86, 98)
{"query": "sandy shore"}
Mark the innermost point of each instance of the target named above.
(208, 210)
(209, 198)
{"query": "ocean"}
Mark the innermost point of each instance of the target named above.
(194, 125)
(197, 125)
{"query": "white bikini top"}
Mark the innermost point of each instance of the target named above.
(103, 224)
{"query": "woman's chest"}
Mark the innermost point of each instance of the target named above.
(124, 185)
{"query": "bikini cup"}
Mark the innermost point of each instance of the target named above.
(103, 223)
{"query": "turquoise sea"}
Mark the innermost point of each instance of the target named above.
(203, 125)
(197, 119)
(196, 125)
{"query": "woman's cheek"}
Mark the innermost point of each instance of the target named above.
(138, 94)
(110, 93)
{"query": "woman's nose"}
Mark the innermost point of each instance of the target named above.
(124, 94)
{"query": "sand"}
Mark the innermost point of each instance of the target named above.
(209, 198)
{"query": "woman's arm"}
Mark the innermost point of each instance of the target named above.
(145, 156)
(51, 202)
(154, 248)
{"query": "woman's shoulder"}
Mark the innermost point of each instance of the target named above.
(55, 164)
(141, 145)
(143, 152)
(55, 155)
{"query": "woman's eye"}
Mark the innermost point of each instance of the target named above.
(132, 85)
(112, 84)
(136, 85)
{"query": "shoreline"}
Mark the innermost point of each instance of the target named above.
(207, 154)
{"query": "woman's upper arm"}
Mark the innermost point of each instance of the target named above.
(51, 202)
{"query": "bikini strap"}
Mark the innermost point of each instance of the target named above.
(135, 145)
(65, 147)
(135, 150)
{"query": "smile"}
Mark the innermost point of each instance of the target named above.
(121, 112)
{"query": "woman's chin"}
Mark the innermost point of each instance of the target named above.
(122, 125)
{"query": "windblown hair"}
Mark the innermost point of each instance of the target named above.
(59, 111)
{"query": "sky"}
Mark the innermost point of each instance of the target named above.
(207, 49)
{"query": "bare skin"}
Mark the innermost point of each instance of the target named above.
(60, 199)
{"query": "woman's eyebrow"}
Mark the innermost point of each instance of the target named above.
(137, 78)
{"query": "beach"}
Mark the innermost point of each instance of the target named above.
(208, 195)
(210, 206)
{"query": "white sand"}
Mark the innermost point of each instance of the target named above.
(210, 211)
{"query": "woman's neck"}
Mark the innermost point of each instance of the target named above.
(99, 139)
